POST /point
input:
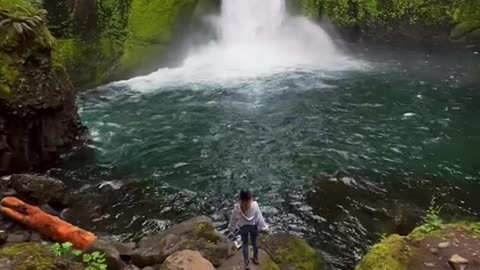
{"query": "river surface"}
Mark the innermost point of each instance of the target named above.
(339, 157)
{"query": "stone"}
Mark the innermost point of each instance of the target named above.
(18, 237)
(186, 259)
(3, 236)
(444, 245)
(429, 264)
(39, 189)
(148, 268)
(434, 251)
(194, 234)
(236, 262)
(457, 262)
(290, 252)
(112, 255)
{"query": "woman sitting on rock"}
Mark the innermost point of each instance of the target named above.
(246, 214)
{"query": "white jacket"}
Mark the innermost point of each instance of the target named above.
(252, 217)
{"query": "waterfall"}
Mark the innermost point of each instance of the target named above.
(255, 38)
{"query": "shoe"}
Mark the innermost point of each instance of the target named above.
(255, 261)
(247, 267)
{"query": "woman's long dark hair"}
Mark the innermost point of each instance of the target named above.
(245, 196)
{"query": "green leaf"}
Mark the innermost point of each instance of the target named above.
(87, 258)
(76, 252)
(18, 27)
(67, 245)
(95, 254)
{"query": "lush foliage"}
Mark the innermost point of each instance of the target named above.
(22, 32)
(94, 261)
(386, 17)
(432, 220)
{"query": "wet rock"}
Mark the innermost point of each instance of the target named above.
(194, 234)
(39, 189)
(33, 256)
(236, 262)
(3, 236)
(112, 255)
(187, 259)
(18, 237)
(290, 252)
(444, 245)
(457, 262)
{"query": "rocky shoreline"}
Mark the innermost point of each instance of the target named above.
(192, 244)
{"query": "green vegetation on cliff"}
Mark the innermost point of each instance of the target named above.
(399, 18)
(419, 248)
(120, 39)
(22, 33)
(151, 28)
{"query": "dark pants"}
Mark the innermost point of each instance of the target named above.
(245, 231)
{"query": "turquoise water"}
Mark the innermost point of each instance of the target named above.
(337, 157)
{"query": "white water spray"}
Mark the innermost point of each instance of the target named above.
(256, 38)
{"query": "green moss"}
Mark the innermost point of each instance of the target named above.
(269, 265)
(377, 18)
(389, 254)
(22, 37)
(28, 256)
(285, 249)
(151, 25)
(467, 18)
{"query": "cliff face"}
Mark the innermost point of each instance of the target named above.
(99, 41)
(426, 21)
(38, 116)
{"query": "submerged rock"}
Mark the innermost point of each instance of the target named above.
(29, 256)
(194, 234)
(290, 252)
(186, 259)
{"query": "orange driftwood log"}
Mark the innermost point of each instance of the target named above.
(49, 226)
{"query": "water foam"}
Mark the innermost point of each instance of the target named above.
(256, 38)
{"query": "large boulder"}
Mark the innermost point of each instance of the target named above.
(290, 252)
(194, 234)
(29, 256)
(38, 189)
(236, 262)
(186, 259)
(38, 116)
(113, 252)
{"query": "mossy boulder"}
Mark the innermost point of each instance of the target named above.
(196, 234)
(29, 256)
(290, 252)
(427, 245)
(38, 116)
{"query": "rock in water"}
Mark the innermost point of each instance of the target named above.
(186, 259)
(194, 234)
(236, 262)
(290, 252)
(38, 115)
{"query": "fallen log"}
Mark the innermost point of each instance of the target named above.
(47, 225)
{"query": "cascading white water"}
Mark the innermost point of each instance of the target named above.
(256, 38)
